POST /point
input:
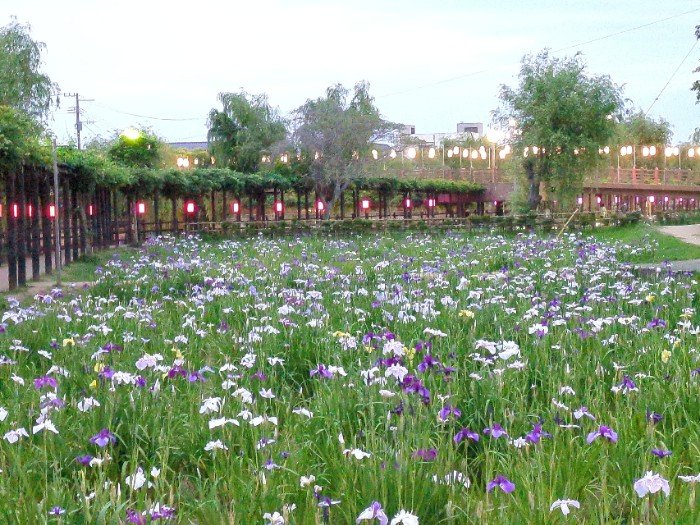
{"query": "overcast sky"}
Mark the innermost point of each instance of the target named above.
(429, 63)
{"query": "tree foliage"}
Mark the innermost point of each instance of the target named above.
(335, 133)
(566, 115)
(636, 128)
(243, 130)
(22, 84)
(141, 150)
(20, 142)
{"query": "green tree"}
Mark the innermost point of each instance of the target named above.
(636, 128)
(22, 84)
(136, 148)
(562, 116)
(245, 129)
(19, 139)
(336, 133)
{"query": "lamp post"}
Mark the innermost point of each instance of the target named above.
(365, 204)
(672, 151)
(57, 237)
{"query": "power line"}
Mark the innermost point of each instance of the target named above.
(625, 31)
(149, 117)
(673, 75)
(473, 73)
(78, 123)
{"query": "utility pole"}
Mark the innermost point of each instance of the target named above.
(78, 123)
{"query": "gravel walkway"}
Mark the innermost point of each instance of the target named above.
(688, 233)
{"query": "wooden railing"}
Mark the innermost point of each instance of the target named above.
(630, 176)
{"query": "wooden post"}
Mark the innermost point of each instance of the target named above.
(21, 230)
(11, 231)
(156, 211)
(35, 226)
(173, 205)
(45, 201)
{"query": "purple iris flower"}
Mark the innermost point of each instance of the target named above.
(427, 363)
(134, 517)
(627, 383)
(111, 347)
(177, 370)
(465, 433)
(504, 483)
(426, 454)
(423, 345)
(660, 452)
(57, 511)
(536, 434)
(447, 411)
(195, 376)
(656, 323)
(164, 512)
(103, 438)
(653, 416)
(53, 403)
(84, 460)
(495, 431)
(41, 382)
(259, 375)
(412, 385)
(271, 465)
(321, 371)
(604, 432)
(106, 373)
(374, 511)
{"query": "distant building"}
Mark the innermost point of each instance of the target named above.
(189, 145)
(465, 131)
(470, 127)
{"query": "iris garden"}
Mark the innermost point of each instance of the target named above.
(403, 378)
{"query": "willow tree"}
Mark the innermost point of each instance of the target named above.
(27, 96)
(18, 142)
(336, 133)
(243, 130)
(561, 116)
(22, 84)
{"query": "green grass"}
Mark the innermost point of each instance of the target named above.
(664, 247)
(83, 268)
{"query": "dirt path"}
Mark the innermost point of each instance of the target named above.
(688, 233)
